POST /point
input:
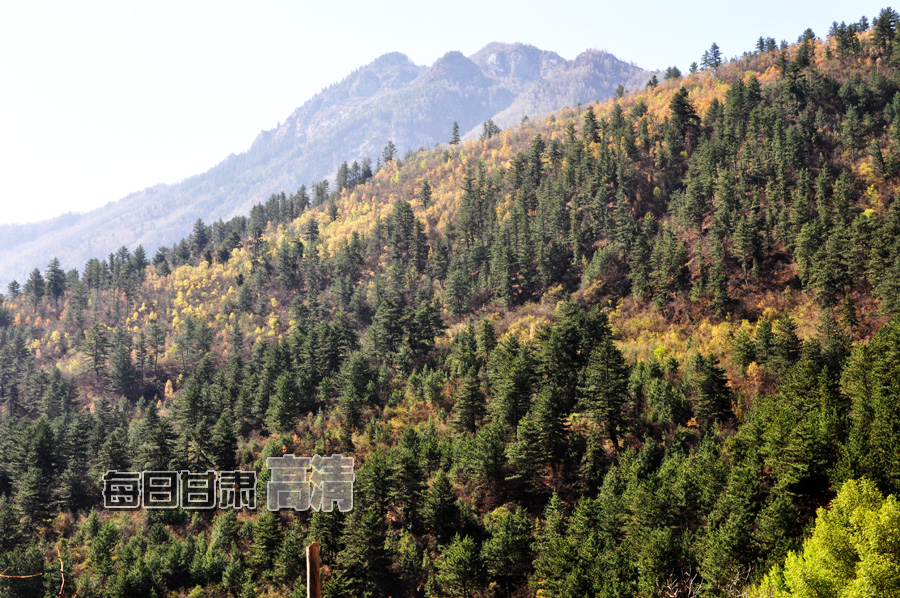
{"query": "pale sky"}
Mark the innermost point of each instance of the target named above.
(99, 99)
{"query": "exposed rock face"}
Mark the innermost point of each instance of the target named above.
(389, 99)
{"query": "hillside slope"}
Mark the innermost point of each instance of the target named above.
(639, 348)
(388, 99)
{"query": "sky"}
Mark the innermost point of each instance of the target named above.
(100, 99)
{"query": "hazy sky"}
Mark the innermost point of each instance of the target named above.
(99, 99)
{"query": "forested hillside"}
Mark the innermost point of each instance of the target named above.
(647, 347)
(389, 99)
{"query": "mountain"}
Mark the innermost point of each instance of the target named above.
(389, 99)
(635, 348)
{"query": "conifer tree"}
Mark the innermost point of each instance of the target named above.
(121, 370)
(605, 391)
(35, 288)
(507, 553)
(440, 509)
(712, 397)
(470, 403)
(267, 534)
(460, 569)
(454, 134)
(96, 346)
(425, 194)
(56, 281)
(389, 153)
(284, 405)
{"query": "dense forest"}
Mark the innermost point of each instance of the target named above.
(638, 348)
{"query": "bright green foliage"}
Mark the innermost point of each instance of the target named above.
(854, 550)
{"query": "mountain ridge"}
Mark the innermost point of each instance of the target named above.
(390, 98)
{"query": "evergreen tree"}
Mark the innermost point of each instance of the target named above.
(284, 405)
(470, 403)
(367, 561)
(389, 153)
(786, 345)
(199, 238)
(507, 553)
(96, 347)
(712, 58)
(460, 569)
(35, 288)
(540, 437)
(440, 509)
(425, 194)
(223, 444)
(56, 281)
(606, 387)
(121, 372)
(712, 397)
(408, 477)
(672, 73)
(267, 535)
(454, 135)
(489, 129)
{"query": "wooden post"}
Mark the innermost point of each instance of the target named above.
(313, 586)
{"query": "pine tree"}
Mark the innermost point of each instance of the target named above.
(56, 281)
(408, 477)
(35, 288)
(460, 569)
(440, 509)
(764, 341)
(284, 405)
(507, 553)
(712, 58)
(389, 152)
(223, 444)
(786, 345)
(590, 128)
(425, 194)
(540, 437)
(511, 372)
(121, 368)
(718, 285)
(367, 560)
(458, 290)
(712, 397)
(489, 129)
(470, 403)
(743, 350)
(266, 540)
(673, 73)
(96, 347)
(606, 387)
(199, 238)
(454, 135)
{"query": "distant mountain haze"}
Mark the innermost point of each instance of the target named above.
(389, 99)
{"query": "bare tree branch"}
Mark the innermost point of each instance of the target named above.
(5, 576)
